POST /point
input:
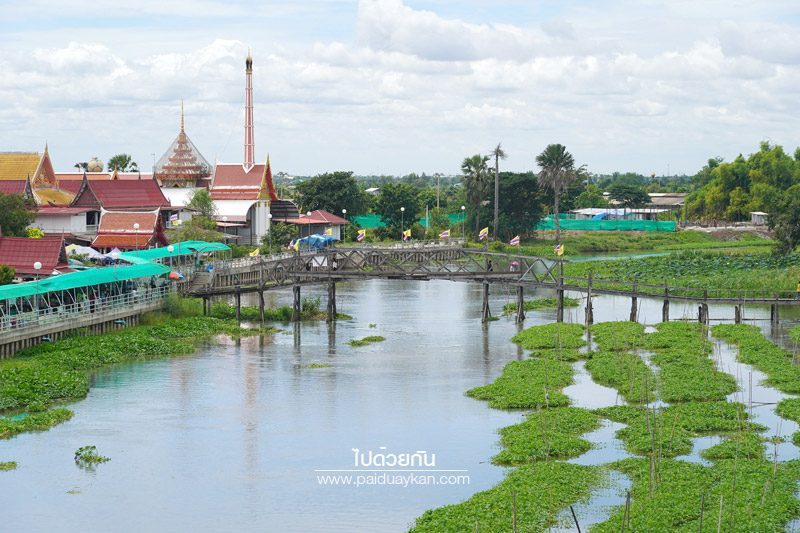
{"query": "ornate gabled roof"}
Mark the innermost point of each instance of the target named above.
(182, 162)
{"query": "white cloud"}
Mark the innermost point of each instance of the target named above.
(412, 89)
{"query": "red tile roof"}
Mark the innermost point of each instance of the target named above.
(78, 176)
(231, 182)
(116, 229)
(320, 216)
(72, 186)
(129, 194)
(13, 186)
(21, 253)
(58, 210)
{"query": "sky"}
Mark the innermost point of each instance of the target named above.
(400, 86)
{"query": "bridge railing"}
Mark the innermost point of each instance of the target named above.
(412, 245)
(46, 316)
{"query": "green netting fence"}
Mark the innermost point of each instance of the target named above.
(606, 225)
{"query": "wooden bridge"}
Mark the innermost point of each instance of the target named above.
(453, 263)
(416, 262)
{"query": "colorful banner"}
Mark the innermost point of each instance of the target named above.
(445, 234)
(406, 234)
(558, 249)
(514, 241)
(362, 234)
(483, 233)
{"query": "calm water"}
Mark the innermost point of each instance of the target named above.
(229, 439)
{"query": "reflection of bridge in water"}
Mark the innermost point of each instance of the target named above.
(415, 262)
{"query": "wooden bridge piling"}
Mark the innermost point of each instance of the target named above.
(634, 303)
(737, 314)
(261, 304)
(485, 311)
(238, 303)
(520, 304)
(295, 303)
(331, 301)
(589, 310)
(665, 306)
(773, 314)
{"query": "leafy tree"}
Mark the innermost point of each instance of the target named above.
(197, 229)
(122, 163)
(498, 154)
(332, 191)
(7, 274)
(784, 219)
(591, 196)
(628, 196)
(477, 184)
(393, 196)
(521, 204)
(16, 213)
(202, 203)
(282, 234)
(34, 233)
(557, 173)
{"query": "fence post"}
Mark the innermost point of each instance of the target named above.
(296, 303)
(520, 304)
(589, 309)
(634, 302)
(665, 307)
(485, 312)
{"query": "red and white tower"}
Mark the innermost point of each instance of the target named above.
(249, 138)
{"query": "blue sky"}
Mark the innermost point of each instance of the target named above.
(397, 86)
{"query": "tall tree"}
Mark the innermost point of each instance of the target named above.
(393, 196)
(16, 213)
(784, 218)
(498, 154)
(122, 163)
(557, 173)
(476, 183)
(521, 204)
(332, 191)
(628, 196)
(202, 203)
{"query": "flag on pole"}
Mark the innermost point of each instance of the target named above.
(254, 253)
(362, 233)
(406, 234)
(173, 217)
(558, 249)
(445, 234)
(514, 241)
(483, 233)
(329, 232)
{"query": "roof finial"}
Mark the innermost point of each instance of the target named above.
(181, 115)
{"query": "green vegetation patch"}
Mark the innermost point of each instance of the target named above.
(758, 351)
(744, 445)
(668, 431)
(540, 491)
(682, 351)
(317, 364)
(789, 408)
(366, 340)
(87, 456)
(754, 497)
(552, 336)
(625, 372)
(9, 427)
(8, 465)
(540, 303)
(309, 310)
(528, 384)
(618, 336)
(546, 434)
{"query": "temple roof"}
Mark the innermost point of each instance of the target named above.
(121, 194)
(22, 187)
(116, 229)
(235, 182)
(19, 165)
(21, 253)
(182, 162)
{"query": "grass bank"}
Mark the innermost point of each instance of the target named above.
(540, 303)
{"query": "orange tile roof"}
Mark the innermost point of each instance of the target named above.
(18, 165)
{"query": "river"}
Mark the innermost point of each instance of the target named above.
(232, 438)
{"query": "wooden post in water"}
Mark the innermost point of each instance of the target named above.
(261, 304)
(205, 306)
(560, 293)
(737, 314)
(331, 301)
(520, 304)
(589, 311)
(238, 303)
(773, 314)
(634, 302)
(665, 307)
(296, 303)
(485, 312)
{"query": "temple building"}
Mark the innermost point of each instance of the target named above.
(244, 193)
(182, 165)
(37, 169)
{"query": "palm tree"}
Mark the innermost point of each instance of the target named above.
(557, 172)
(476, 183)
(498, 154)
